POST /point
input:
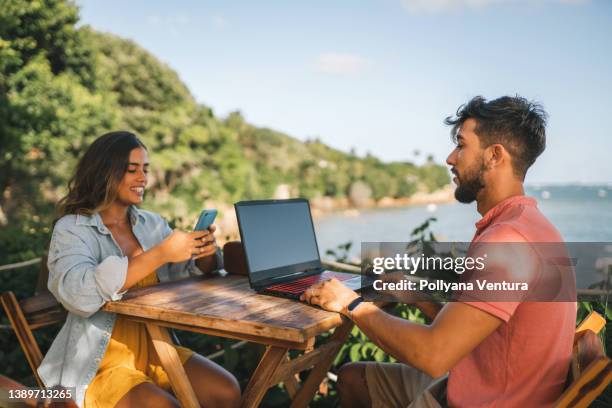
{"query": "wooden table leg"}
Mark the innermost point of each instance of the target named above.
(318, 372)
(292, 382)
(260, 380)
(172, 365)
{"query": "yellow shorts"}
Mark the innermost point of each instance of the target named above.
(112, 383)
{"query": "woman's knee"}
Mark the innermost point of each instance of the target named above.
(227, 393)
(215, 386)
(147, 395)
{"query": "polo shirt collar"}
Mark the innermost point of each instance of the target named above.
(501, 207)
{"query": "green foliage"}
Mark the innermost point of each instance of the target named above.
(604, 309)
(48, 111)
(341, 253)
(139, 79)
(423, 235)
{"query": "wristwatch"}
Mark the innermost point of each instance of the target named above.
(353, 305)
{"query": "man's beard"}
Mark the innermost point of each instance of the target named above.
(470, 184)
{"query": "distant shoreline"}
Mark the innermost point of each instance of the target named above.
(324, 206)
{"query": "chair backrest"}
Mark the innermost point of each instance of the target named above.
(43, 276)
(234, 259)
(40, 310)
(591, 370)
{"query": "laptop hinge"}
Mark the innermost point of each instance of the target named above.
(286, 278)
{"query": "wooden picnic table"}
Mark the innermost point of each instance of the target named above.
(225, 306)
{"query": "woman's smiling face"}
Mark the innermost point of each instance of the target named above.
(132, 186)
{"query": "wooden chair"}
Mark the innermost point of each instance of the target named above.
(27, 315)
(591, 370)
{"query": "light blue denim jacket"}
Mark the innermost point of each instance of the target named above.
(87, 269)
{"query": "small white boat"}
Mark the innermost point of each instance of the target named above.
(545, 194)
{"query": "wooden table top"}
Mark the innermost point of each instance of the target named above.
(226, 304)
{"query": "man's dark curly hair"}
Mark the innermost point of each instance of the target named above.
(512, 121)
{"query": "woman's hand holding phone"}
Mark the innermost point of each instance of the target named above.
(209, 243)
(181, 246)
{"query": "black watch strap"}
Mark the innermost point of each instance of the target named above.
(351, 306)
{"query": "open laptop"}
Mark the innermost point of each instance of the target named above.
(281, 248)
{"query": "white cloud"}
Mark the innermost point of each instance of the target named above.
(171, 23)
(341, 64)
(440, 6)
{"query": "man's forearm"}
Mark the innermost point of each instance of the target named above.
(409, 342)
(456, 330)
(429, 308)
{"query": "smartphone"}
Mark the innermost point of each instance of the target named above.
(207, 217)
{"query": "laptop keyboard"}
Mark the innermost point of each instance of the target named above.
(297, 287)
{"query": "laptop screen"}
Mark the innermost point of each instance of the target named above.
(278, 237)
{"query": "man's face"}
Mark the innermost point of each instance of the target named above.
(466, 162)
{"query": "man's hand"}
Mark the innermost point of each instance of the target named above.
(330, 295)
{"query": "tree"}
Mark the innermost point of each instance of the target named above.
(47, 107)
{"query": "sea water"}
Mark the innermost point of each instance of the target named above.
(581, 213)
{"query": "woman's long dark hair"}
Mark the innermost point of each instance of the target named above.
(98, 174)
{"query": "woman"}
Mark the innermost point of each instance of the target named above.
(102, 246)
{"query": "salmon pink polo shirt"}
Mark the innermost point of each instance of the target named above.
(525, 362)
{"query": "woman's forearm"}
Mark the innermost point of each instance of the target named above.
(144, 264)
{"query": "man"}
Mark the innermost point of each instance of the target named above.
(502, 354)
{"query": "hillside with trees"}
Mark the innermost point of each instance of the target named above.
(62, 86)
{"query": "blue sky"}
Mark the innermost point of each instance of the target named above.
(380, 76)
